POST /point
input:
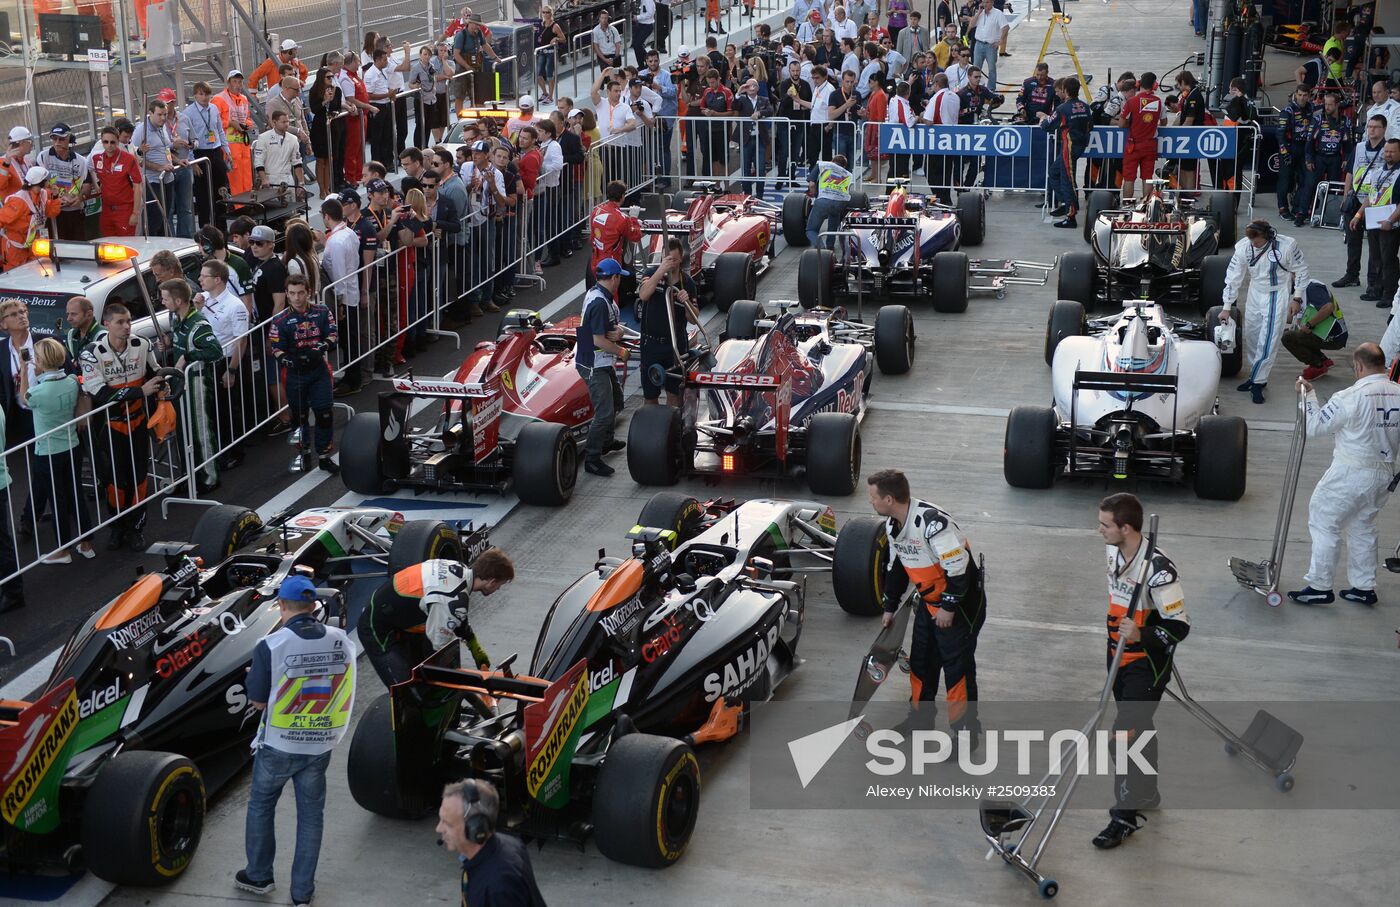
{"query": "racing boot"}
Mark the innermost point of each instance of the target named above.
(1347, 280)
(1068, 223)
(1117, 831)
(1245, 387)
(1360, 596)
(598, 468)
(1310, 596)
(1256, 392)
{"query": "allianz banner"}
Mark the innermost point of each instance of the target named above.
(1191, 142)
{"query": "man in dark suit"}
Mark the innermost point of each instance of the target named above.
(16, 352)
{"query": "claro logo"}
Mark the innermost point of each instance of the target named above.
(172, 663)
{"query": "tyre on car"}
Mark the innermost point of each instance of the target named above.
(972, 217)
(1067, 319)
(680, 201)
(545, 465)
(833, 453)
(950, 282)
(423, 540)
(378, 782)
(654, 446)
(858, 565)
(1230, 363)
(1099, 202)
(1028, 456)
(731, 278)
(143, 818)
(646, 800)
(1221, 206)
(859, 201)
(742, 320)
(1213, 270)
(1078, 278)
(816, 278)
(894, 339)
(796, 208)
(672, 510)
(362, 456)
(222, 530)
(1222, 448)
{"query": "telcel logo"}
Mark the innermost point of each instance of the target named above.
(97, 700)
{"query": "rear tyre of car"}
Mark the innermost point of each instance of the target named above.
(1222, 448)
(833, 454)
(859, 202)
(362, 457)
(1221, 206)
(796, 207)
(681, 200)
(1078, 274)
(1028, 458)
(1230, 363)
(858, 566)
(1099, 202)
(223, 530)
(374, 774)
(646, 801)
(1213, 271)
(816, 272)
(731, 278)
(894, 339)
(545, 468)
(972, 217)
(673, 510)
(143, 818)
(423, 540)
(1067, 319)
(742, 322)
(654, 446)
(950, 280)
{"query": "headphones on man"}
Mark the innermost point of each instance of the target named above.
(1264, 227)
(477, 824)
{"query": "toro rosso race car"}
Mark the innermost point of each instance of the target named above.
(730, 237)
(1161, 248)
(637, 662)
(1134, 398)
(902, 244)
(514, 413)
(787, 394)
(145, 711)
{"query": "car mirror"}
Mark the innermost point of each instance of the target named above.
(685, 583)
(762, 567)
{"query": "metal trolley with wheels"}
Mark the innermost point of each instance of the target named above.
(994, 275)
(1268, 742)
(1263, 576)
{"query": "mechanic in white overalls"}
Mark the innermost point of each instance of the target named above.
(833, 186)
(1271, 260)
(1365, 421)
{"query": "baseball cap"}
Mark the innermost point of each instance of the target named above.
(61, 131)
(233, 74)
(297, 589)
(349, 198)
(377, 186)
(289, 44)
(263, 233)
(166, 94)
(481, 145)
(20, 134)
(637, 83)
(525, 101)
(576, 112)
(1317, 295)
(35, 175)
(609, 267)
(815, 14)
(683, 52)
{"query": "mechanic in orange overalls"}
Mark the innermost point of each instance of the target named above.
(16, 161)
(267, 71)
(25, 217)
(237, 117)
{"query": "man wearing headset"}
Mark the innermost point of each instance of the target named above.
(496, 868)
(1270, 260)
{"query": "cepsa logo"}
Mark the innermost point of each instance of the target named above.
(172, 663)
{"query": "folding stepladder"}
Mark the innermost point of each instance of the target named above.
(1062, 21)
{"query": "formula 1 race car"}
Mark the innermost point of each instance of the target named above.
(637, 662)
(1161, 248)
(515, 412)
(899, 244)
(786, 394)
(730, 237)
(145, 711)
(1135, 398)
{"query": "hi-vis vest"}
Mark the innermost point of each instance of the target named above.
(313, 691)
(834, 182)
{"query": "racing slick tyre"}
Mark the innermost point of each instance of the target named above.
(681, 200)
(361, 457)
(423, 540)
(1028, 457)
(816, 270)
(742, 323)
(833, 454)
(673, 510)
(796, 207)
(1222, 443)
(1066, 320)
(373, 772)
(732, 278)
(1221, 206)
(894, 339)
(859, 201)
(143, 818)
(1078, 272)
(646, 801)
(950, 280)
(972, 217)
(546, 465)
(654, 446)
(1213, 270)
(222, 530)
(858, 566)
(1230, 363)
(1099, 201)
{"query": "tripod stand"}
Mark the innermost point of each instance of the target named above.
(1062, 21)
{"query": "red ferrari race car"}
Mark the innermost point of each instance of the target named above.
(515, 413)
(730, 239)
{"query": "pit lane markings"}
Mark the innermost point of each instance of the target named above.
(955, 409)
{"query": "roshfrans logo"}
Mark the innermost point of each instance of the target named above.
(548, 753)
(50, 743)
(138, 631)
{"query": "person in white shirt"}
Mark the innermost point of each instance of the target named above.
(871, 67)
(1385, 106)
(802, 10)
(380, 124)
(850, 60)
(942, 110)
(901, 113)
(810, 29)
(957, 72)
(843, 25)
(607, 42)
(616, 119)
(277, 155)
(643, 24)
(990, 26)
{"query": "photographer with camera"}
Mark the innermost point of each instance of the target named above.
(685, 76)
(299, 337)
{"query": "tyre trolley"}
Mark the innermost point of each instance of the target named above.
(1263, 576)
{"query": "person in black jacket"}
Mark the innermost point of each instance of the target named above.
(571, 145)
(496, 869)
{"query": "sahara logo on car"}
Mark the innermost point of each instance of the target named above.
(172, 663)
(623, 618)
(47, 744)
(137, 632)
(739, 674)
(557, 720)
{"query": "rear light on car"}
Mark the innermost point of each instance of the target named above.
(727, 462)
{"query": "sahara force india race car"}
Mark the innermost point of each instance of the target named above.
(1164, 249)
(145, 711)
(637, 662)
(895, 245)
(787, 394)
(1134, 398)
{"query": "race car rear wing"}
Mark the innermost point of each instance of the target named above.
(867, 221)
(1129, 382)
(441, 669)
(437, 387)
(657, 227)
(1164, 228)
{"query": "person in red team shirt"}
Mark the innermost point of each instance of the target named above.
(1142, 114)
(610, 229)
(117, 173)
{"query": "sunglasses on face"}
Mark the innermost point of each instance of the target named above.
(108, 142)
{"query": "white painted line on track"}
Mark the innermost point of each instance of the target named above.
(1001, 412)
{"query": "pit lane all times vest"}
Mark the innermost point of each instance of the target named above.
(313, 692)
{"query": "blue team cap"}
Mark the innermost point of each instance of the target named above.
(1317, 295)
(609, 267)
(297, 589)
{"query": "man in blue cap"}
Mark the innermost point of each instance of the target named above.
(302, 723)
(596, 354)
(1316, 324)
